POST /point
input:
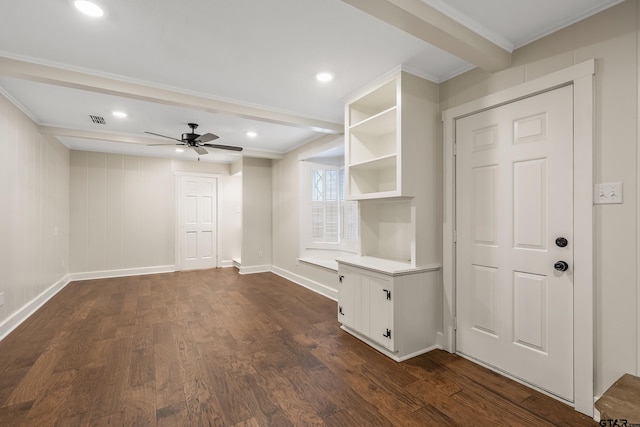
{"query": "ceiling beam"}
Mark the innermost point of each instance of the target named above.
(100, 136)
(111, 86)
(140, 140)
(423, 21)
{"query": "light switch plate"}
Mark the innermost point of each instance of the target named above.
(607, 193)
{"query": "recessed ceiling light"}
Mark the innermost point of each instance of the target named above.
(89, 8)
(119, 114)
(179, 150)
(324, 77)
(252, 134)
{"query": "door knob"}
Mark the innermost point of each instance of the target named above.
(561, 242)
(561, 266)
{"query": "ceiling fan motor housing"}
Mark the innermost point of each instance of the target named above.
(189, 137)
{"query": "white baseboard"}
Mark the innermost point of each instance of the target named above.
(255, 269)
(28, 309)
(307, 283)
(106, 274)
(226, 263)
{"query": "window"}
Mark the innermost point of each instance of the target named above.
(333, 219)
(328, 220)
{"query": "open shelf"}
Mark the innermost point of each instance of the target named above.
(374, 138)
(373, 176)
(381, 123)
(381, 99)
(387, 230)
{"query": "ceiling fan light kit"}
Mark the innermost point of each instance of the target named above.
(197, 141)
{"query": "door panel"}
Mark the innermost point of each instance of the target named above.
(381, 311)
(514, 196)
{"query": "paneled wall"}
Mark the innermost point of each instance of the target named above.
(34, 213)
(123, 211)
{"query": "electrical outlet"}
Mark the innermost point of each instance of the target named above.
(259, 254)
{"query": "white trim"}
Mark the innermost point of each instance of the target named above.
(19, 105)
(581, 76)
(218, 178)
(312, 285)
(107, 274)
(227, 263)
(22, 314)
(255, 269)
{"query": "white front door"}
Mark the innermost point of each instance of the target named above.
(514, 200)
(198, 222)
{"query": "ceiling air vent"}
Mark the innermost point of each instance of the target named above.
(98, 120)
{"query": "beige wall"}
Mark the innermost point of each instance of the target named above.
(286, 225)
(123, 210)
(34, 218)
(610, 37)
(256, 213)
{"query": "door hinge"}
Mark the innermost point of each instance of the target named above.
(388, 292)
(455, 323)
(387, 334)
(455, 236)
(340, 310)
(455, 148)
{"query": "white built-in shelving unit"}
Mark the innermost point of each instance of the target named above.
(388, 295)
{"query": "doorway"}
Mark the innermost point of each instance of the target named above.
(580, 78)
(514, 251)
(197, 221)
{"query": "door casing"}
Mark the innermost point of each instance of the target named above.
(581, 76)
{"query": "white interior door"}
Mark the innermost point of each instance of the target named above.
(198, 222)
(514, 199)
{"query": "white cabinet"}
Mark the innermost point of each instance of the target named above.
(391, 308)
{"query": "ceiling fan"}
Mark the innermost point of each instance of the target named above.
(197, 142)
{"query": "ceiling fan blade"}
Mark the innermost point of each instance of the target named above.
(207, 137)
(164, 136)
(167, 143)
(199, 150)
(224, 147)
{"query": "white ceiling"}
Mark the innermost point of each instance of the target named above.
(247, 53)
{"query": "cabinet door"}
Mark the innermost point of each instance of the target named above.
(349, 289)
(381, 311)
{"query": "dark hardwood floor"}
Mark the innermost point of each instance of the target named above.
(213, 347)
